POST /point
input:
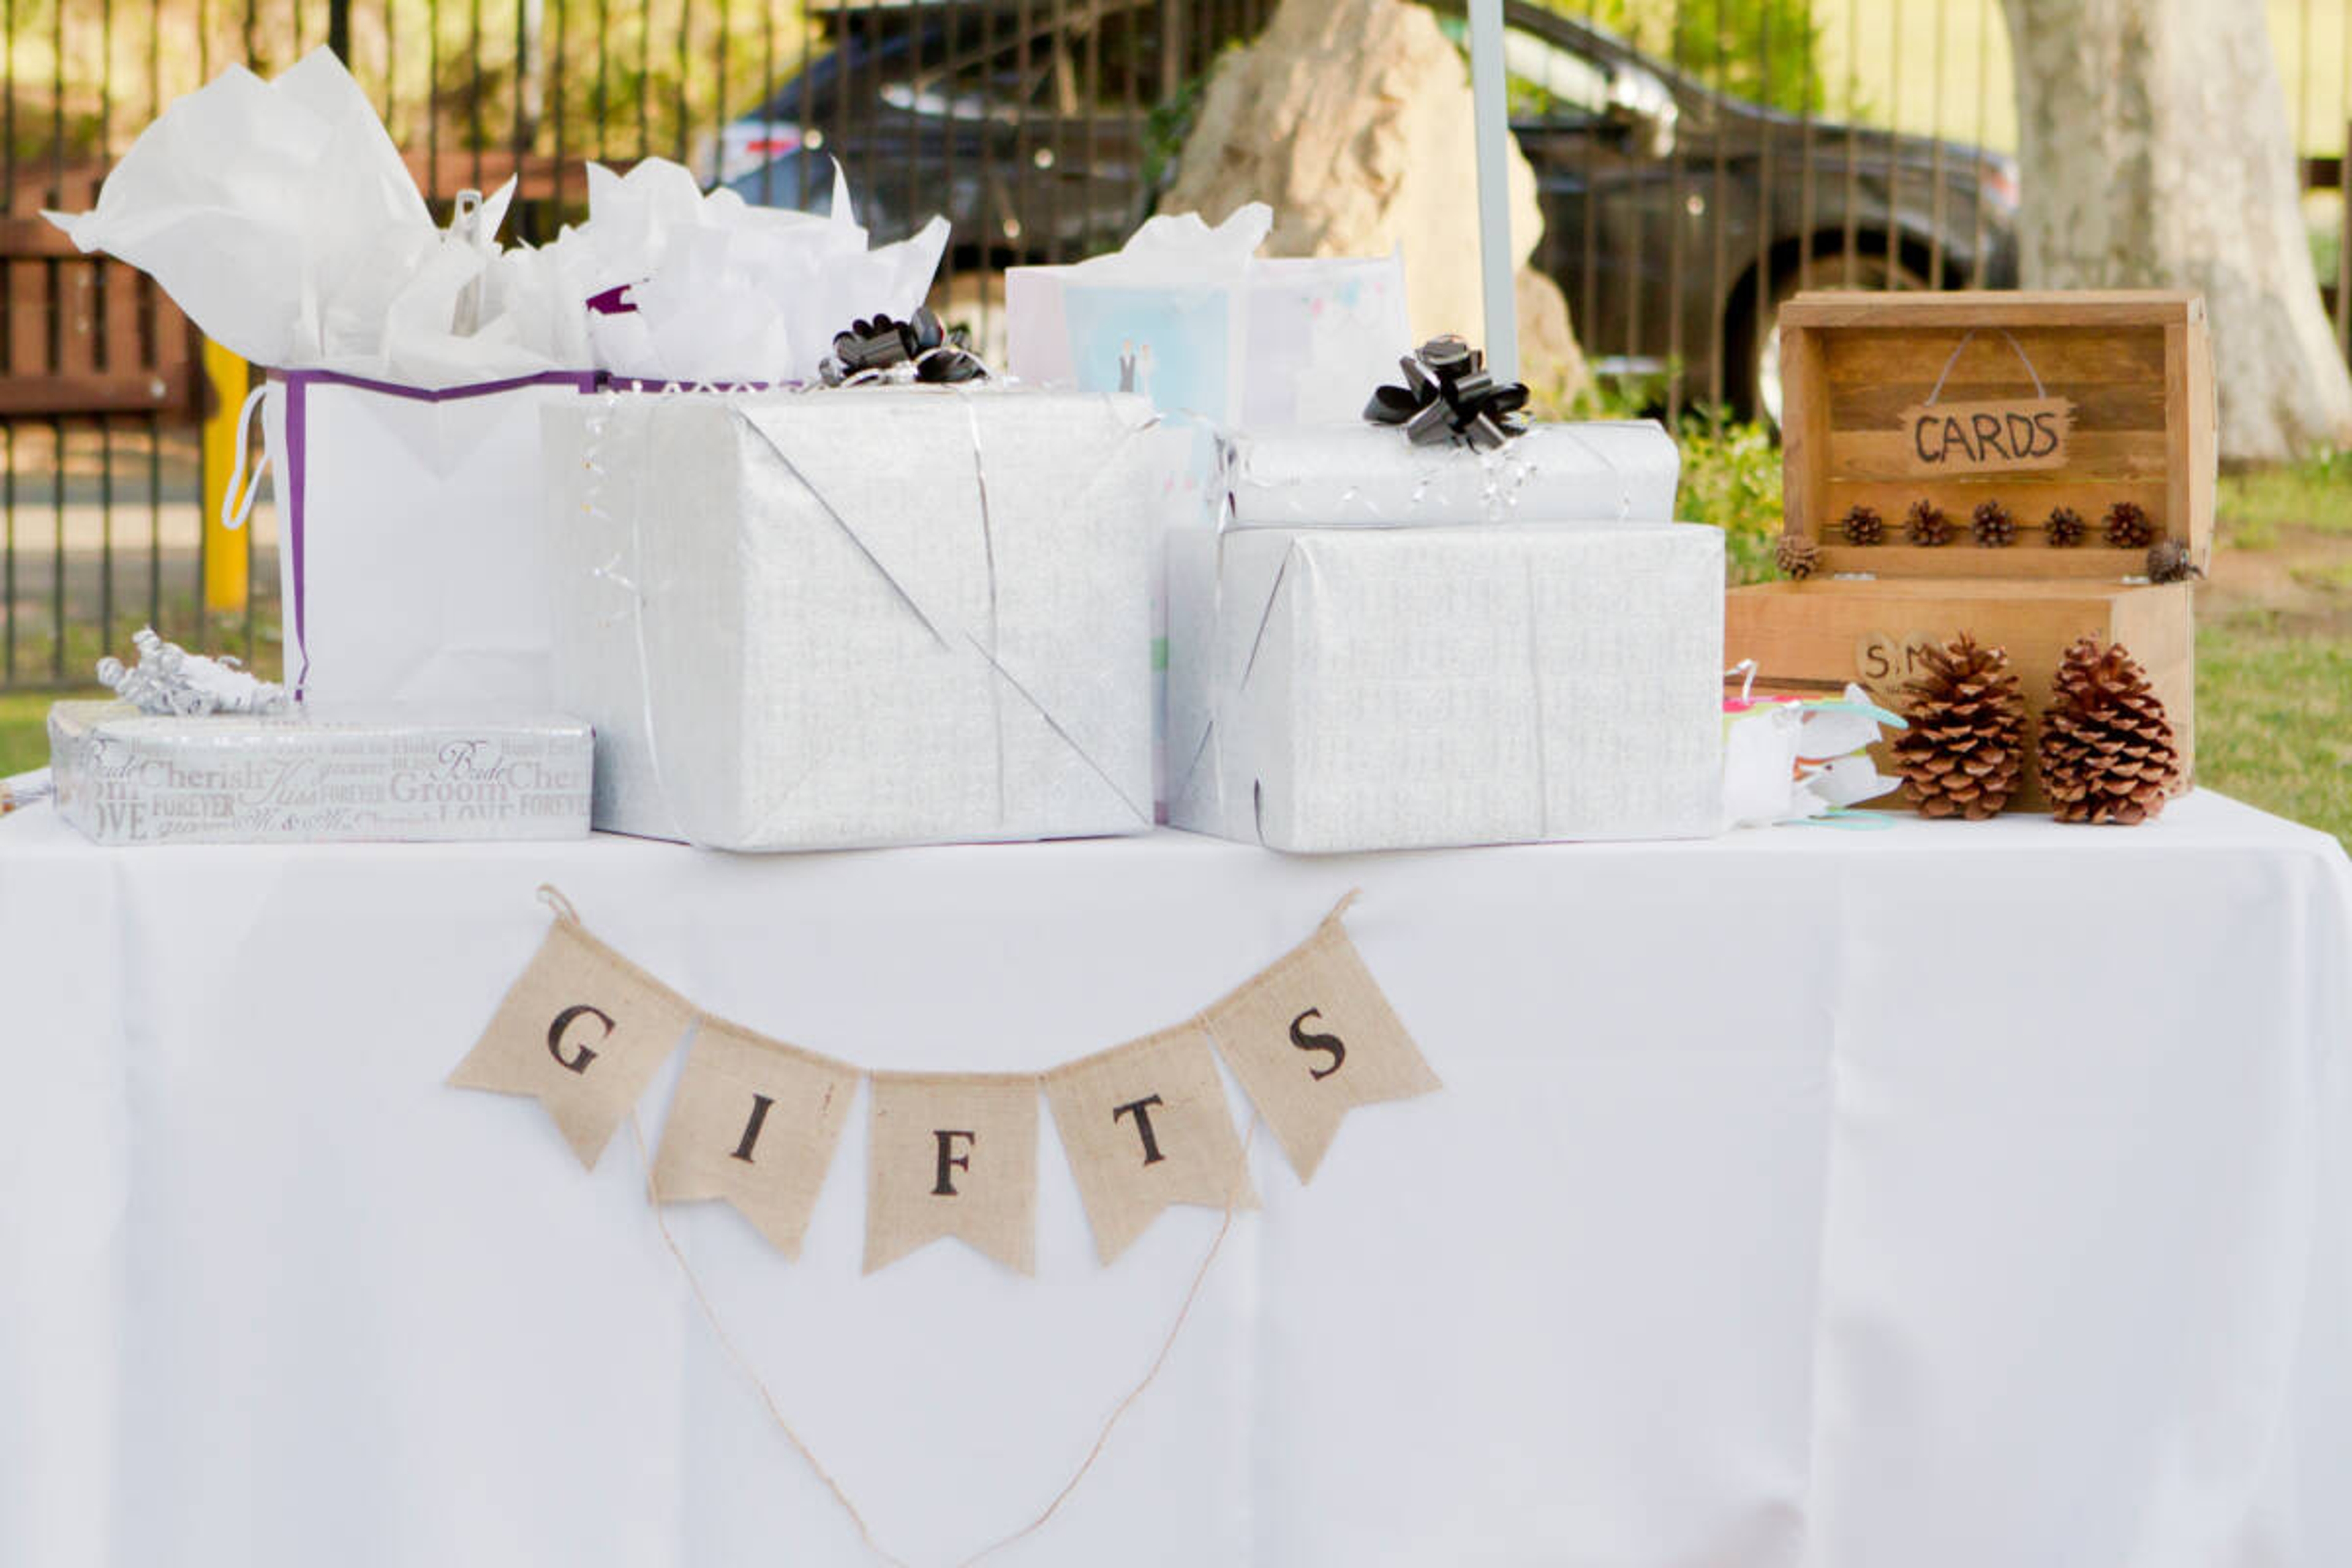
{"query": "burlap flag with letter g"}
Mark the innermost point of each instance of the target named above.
(1145, 1125)
(1312, 1038)
(952, 1154)
(755, 1122)
(582, 1031)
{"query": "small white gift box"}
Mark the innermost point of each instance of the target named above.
(315, 774)
(1621, 470)
(412, 559)
(1356, 688)
(870, 616)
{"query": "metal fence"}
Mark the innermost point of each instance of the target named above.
(1697, 160)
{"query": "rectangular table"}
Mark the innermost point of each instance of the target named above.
(1954, 1194)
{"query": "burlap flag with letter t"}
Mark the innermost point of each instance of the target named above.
(1145, 1125)
(582, 1031)
(755, 1122)
(1311, 1038)
(952, 1154)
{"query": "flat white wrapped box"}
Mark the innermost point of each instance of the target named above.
(1362, 475)
(318, 775)
(1349, 688)
(863, 616)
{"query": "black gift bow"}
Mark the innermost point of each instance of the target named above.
(1450, 394)
(937, 355)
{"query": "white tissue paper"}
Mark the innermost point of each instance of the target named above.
(862, 617)
(1369, 475)
(1190, 317)
(1336, 689)
(719, 291)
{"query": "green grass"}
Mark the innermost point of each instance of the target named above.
(2274, 720)
(2315, 493)
(24, 731)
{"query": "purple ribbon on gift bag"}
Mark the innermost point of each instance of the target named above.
(297, 383)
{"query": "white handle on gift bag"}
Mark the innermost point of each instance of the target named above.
(236, 506)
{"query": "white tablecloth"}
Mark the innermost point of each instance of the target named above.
(1961, 1195)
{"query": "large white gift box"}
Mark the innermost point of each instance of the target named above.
(412, 557)
(1357, 688)
(869, 615)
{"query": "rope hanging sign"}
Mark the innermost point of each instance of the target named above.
(1987, 436)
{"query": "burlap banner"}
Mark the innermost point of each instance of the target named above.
(755, 1122)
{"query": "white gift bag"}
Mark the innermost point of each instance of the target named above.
(412, 540)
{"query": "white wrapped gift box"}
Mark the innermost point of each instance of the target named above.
(1621, 470)
(863, 616)
(320, 774)
(1356, 688)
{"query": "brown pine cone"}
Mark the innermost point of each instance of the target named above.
(2128, 526)
(1925, 524)
(2065, 527)
(2107, 750)
(1995, 528)
(1966, 746)
(1862, 525)
(2169, 562)
(1796, 555)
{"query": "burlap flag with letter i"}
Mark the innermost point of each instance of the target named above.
(1312, 1038)
(581, 1032)
(755, 1123)
(1145, 1125)
(952, 1154)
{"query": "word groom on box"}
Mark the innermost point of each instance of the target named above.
(755, 1121)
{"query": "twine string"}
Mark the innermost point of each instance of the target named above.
(1969, 337)
(808, 1456)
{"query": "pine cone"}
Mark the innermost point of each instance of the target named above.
(1995, 528)
(1862, 525)
(2128, 526)
(1966, 746)
(2065, 527)
(2107, 751)
(1925, 524)
(1798, 556)
(2169, 562)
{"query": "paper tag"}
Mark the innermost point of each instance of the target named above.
(1998, 435)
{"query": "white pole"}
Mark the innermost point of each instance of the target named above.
(1494, 136)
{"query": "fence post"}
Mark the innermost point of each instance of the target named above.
(227, 560)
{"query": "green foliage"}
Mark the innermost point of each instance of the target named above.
(1767, 51)
(2314, 493)
(1731, 479)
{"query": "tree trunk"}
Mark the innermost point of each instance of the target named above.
(1352, 120)
(2155, 153)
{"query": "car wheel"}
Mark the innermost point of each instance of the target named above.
(1761, 332)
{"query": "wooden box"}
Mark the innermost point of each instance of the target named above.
(1810, 638)
(1897, 398)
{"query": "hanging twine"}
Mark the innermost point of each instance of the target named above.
(808, 1456)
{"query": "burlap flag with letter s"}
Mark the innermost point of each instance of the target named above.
(1145, 1125)
(582, 1031)
(952, 1154)
(1311, 1038)
(755, 1122)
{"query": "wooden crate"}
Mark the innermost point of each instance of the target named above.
(2135, 367)
(1810, 638)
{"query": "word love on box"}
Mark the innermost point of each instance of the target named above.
(755, 1121)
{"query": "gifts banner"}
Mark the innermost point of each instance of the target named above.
(756, 1123)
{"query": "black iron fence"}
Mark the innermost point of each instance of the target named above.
(1697, 160)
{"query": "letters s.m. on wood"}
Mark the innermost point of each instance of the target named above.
(1890, 399)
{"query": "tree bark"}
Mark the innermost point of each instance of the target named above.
(2155, 153)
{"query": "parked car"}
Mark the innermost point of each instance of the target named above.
(1676, 217)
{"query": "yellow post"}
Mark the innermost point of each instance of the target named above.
(225, 562)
